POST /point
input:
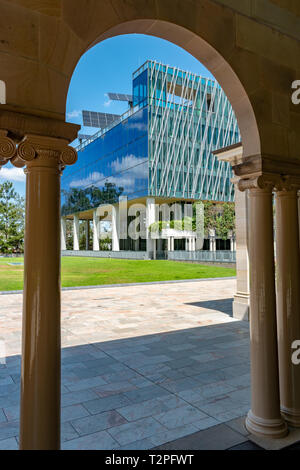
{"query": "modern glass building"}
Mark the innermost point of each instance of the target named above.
(161, 147)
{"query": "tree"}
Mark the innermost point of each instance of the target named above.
(12, 219)
(225, 221)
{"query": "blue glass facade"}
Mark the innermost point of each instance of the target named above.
(119, 157)
(161, 147)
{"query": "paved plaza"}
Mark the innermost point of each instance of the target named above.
(142, 365)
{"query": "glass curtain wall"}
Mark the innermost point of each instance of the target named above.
(189, 117)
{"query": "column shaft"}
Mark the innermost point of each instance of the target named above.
(75, 233)
(87, 235)
(40, 377)
(63, 234)
(242, 296)
(96, 246)
(288, 301)
(264, 418)
(150, 219)
(115, 228)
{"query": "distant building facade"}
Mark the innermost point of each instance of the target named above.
(161, 148)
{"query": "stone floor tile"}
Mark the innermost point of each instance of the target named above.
(9, 429)
(106, 404)
(72, 412)
(9, 444)
(136, 431)
(146, 393)
(180, 416)
(171, 434)
(85, 384)
(3, 418)
(73, 398)
(144, 444)
(215, 438)
(98, 422)
(96, 441)
(67, 432)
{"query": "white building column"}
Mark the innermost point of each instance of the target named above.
(95, 231)
(212, 240)
(150, 219)
(115, 241)
(63, 233)
(231, 244)
(86, 228)
(75, 233)
(193, 244)
(187, 244)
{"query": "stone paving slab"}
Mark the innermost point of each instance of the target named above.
(141, 366)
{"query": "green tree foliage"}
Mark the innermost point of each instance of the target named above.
(218, 217)
(12, 219)
(77, 200)
(225, 221)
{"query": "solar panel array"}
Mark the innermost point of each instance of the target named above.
(100, 120)
(120, 97)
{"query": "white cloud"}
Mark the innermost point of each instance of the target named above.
(74, 114)
(12, 174)
(125, 173)
(107, 103)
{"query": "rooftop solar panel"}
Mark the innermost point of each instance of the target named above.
(119, 97)
(100, 120)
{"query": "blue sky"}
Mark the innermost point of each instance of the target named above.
(108, 67)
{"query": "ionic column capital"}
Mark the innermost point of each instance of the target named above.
(36, 151)
(7, 147)
(270, 182)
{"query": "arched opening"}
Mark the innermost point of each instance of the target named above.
(234, 90)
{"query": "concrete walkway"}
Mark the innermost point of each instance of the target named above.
(141, 366)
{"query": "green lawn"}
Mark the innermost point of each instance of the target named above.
(96, 271)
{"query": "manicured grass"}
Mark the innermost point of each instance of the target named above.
(96, 271)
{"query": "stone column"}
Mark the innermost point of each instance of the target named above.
(115, 241)
(96, 245)
(288, 301)
(241, 301)
(150, 219)
(264, 418)
(63, 234)
(75, 232)
(44, 157)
